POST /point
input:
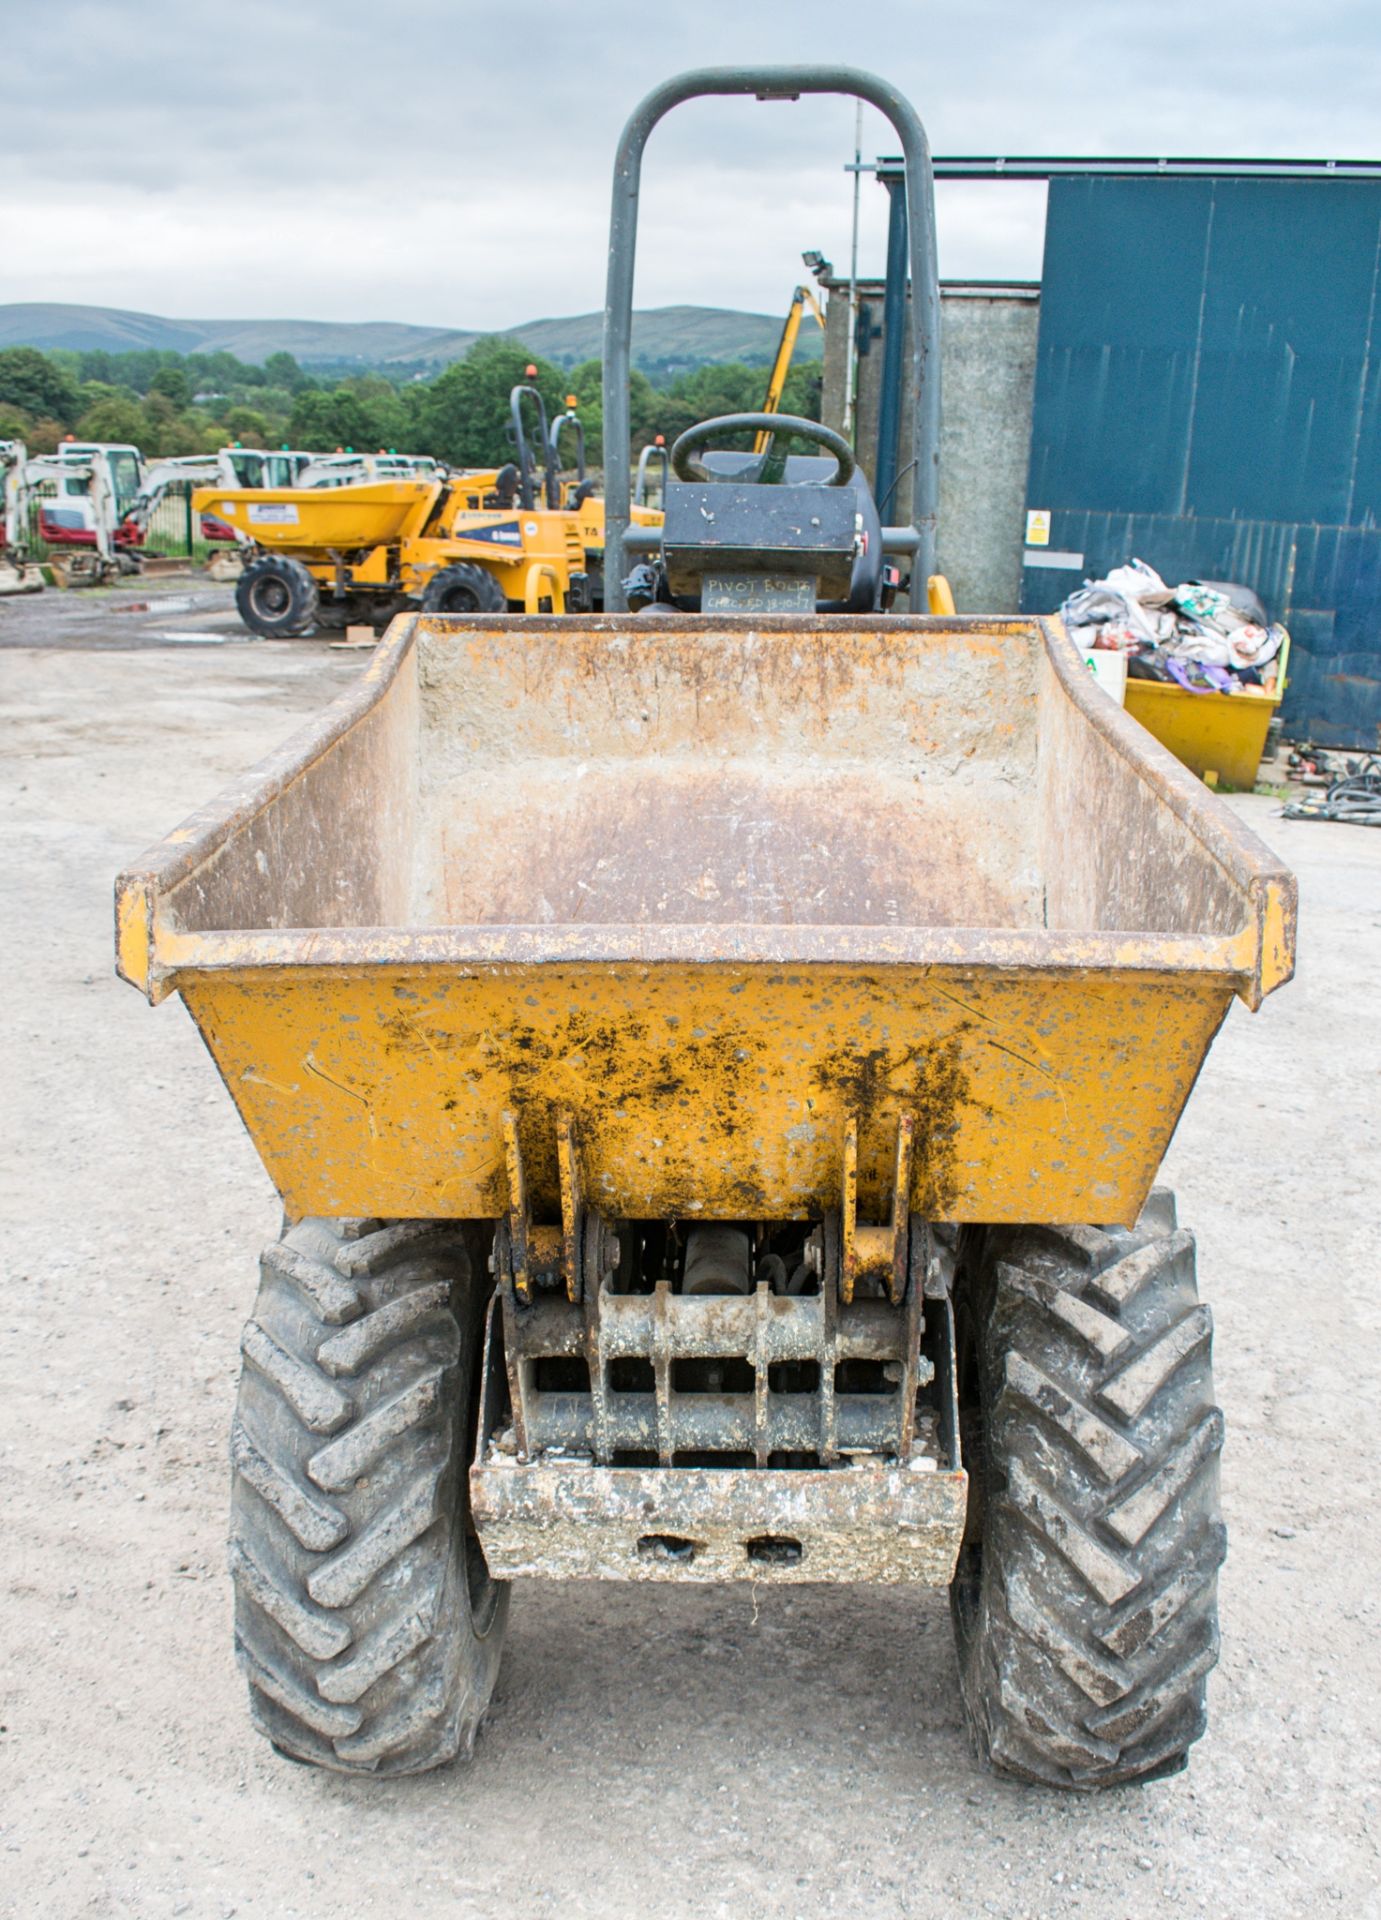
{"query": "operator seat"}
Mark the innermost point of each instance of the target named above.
(809, 469)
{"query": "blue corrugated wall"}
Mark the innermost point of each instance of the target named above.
(1208, 397)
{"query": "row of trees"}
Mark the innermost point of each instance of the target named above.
(164, 403)
(169, 404)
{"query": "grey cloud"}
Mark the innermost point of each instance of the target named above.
(346, 118)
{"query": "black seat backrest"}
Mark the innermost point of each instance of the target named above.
(803, 469)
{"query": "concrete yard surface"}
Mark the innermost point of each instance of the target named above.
(649, 1752)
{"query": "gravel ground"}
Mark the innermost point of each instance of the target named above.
(684, 1752)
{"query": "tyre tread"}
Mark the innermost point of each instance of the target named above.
(353, 1618)
(1088, 1633)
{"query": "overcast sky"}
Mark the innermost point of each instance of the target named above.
(449, 163)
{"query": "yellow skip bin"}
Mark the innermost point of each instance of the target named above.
(1213, 734)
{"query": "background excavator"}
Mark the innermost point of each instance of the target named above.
(18, 574)
(77, 501)
(88, 507)
(801, 298)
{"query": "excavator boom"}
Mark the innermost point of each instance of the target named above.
(786, 349)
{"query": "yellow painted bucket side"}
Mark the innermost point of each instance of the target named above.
(717, 1092)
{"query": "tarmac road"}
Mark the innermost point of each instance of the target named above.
(693, 1752)
(164, 610)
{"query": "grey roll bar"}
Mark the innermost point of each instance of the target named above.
(650, 453)
(772, 83)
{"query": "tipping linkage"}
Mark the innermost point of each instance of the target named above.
(747, 1343)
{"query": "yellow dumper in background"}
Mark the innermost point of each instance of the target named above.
(682, 1042)
(327, 557)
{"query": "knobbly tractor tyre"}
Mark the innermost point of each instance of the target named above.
(365, 1620)
(276, 597)
(1085, 1598)
(463, 588)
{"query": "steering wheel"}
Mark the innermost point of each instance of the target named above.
(823, 437)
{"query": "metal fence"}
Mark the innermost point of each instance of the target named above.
(173, 531)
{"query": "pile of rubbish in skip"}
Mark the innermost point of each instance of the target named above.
(1205, 636)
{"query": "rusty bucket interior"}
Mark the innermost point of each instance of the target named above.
(722, 889)
(863, 785)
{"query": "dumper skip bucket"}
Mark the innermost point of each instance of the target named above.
(721, 890)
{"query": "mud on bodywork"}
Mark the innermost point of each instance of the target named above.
(713, 887)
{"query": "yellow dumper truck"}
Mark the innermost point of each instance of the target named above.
(715, 1062)
(324, 557)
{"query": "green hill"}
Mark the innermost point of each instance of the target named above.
(665, 339)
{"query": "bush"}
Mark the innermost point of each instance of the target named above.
(36, 384)
(114, 417)
(321, 422)
(463, 416)
(282, 370)
(251, 429)
(174, 385)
